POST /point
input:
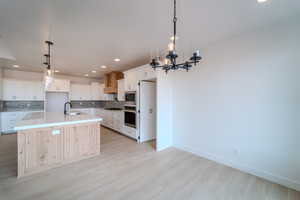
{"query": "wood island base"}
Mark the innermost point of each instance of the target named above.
(40, 149)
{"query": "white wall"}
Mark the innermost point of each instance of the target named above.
(164, 125)
(241, 105)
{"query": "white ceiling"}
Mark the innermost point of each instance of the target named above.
(91, 33)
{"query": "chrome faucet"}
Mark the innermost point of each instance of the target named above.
(65, 107)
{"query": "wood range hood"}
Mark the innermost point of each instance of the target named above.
(111, 82)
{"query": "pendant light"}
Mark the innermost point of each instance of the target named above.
(48, 72)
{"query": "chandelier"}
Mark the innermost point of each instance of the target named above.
(48, 72)
(170, 61)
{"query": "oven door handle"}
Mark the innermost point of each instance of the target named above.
(131, 111)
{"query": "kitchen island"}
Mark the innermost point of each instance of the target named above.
(48, 139)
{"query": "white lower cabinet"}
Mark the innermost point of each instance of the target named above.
(113, 119)
(10, 119)
(129, 131)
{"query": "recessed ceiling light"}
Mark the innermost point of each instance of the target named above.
(86, 75)
(56, 71)
(103, 67)
(16, 66)
(94, 71)
(117, 59)
(262, 1)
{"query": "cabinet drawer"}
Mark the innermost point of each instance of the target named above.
(131, 132)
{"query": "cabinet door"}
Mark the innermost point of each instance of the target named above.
(121, 90)
(95, 91)
(127, 81)
(147, 72)
(131, 81)
(86, 92)
(38, 91)
(101, 93)
(80, 92)
(118, 122)
(43, 148)
(109, 116)
(13, 89)
(62, 85)
(59, 85)
(75, 92)
(104, 121)
(82, 141)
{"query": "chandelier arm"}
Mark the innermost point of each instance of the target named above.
(189, 62)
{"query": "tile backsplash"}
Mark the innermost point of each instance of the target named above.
(1, 106)
(97, 104)
(11, 106)
(21, 105)
(88, 104)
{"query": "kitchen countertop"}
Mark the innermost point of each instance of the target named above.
(113, 109)
(21, 110)
(50, 119)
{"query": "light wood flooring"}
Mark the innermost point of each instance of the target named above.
(127, 170)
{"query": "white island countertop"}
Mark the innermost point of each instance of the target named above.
(50, 119)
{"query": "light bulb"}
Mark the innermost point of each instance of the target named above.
(49, 72)
(172, 38)
(166, 61)
(171, 47)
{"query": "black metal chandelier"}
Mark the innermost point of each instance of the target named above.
(170, 61)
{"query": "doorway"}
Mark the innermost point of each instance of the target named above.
(147, 112)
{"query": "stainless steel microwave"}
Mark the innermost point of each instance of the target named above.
(130, 98)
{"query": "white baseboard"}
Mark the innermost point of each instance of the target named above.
(245, 168)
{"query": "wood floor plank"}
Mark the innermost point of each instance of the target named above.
(127, 170)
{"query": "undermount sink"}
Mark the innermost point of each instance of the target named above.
(74, 113)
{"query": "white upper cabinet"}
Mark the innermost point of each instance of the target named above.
(147, 73)
(131, 80)
(121, 90)
(133, 76)
(59, 85)
(80, 92)
(96, 91)
(22, 90)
